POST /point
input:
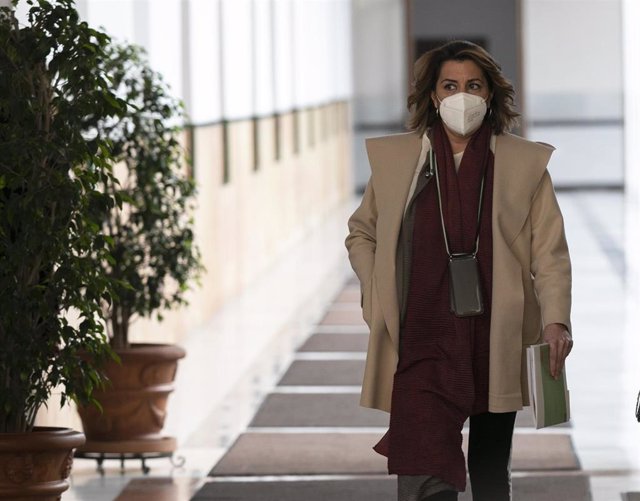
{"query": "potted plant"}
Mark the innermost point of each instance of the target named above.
(154, 256)
(50, 235)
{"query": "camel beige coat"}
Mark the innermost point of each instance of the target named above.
(531, 267)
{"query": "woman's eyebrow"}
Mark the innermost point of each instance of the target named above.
(453, 80)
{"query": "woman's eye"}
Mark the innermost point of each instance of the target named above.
(449, 86)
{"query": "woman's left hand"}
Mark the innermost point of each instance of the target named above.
(560, 344)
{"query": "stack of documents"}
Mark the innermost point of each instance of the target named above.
(549, 397)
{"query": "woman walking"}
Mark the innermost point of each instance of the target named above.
(460, 250)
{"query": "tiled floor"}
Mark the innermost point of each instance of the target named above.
(326, 437)
(603, 370)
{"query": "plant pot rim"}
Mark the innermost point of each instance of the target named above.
(168, 351)
(47, 437)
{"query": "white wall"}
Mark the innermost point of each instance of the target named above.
(237, 51)
(379, 64)
(263, 77)
(573, 87)
(573, 63)
(379, 74)
(632, 145)
(114, 16)
(155, 25)
(283, 54)
(342, 39)
(235, 59)
(165, 45)
(205, 62)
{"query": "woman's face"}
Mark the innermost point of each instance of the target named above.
(460, 76)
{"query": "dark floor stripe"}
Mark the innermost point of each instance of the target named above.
(535, 488)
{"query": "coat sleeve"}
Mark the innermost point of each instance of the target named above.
(550, 263)
(361, 241)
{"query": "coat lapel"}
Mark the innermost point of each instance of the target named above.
(518, 168)
(393, 161)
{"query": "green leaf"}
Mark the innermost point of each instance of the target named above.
(51, 202)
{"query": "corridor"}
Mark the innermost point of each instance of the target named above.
(279, 96)
(292, 428)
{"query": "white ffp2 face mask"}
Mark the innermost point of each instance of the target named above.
(462, 112)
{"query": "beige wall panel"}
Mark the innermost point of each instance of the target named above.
(346, 153)
(228, 216)
(332, 162)
(305, 178)
(278, 201)
(244, 217)
(208, 174)
(315, 182)
(53, 415)
(285, 198)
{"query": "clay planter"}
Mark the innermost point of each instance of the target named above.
(135, 401)
(35, 466)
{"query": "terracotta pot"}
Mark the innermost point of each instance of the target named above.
(134, 402)
(35, 466)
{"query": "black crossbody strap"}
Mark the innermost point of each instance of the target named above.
(434, 165)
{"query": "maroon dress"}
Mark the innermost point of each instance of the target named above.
(442, 375)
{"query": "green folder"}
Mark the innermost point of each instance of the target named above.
(549, 397)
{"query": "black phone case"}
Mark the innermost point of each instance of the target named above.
(464, 286)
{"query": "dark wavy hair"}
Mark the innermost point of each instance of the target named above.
(426, 70)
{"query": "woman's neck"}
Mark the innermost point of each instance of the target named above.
(458, 143)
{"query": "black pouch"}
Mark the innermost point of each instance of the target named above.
(464, 286)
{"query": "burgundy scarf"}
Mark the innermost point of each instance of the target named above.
(443, 370)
